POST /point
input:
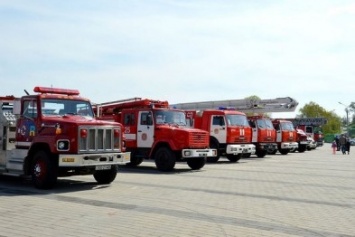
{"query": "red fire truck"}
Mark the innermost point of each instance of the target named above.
(54, 133)
(229, 132)
(286, 136)
(154, 131)
(312, 127)
(302, 140)
(264, 134)
(284, 104)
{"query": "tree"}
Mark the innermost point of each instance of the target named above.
(255, 98)
(313, 110)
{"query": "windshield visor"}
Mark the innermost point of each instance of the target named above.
(237, 120)
(264, 123)
(55, 107)
(287, 126)
(170, 117)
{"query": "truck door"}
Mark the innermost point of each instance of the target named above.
(145, 129)
(218, 128)
(278, 133)
(26, 125)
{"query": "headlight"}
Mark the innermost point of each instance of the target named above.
(63, 145)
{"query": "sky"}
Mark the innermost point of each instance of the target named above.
(182, 50)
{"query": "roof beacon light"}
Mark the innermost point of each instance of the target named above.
(50, 90)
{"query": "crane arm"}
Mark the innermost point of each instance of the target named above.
(283, 104)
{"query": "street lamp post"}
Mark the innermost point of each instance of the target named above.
(347, 115)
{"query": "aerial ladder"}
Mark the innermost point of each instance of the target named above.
(282, 104)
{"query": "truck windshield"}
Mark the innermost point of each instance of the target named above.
(264, 123)
(237, 120)
(288, 126)
(55, 107)
(170, 117)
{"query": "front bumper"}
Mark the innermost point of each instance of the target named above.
(195, 153)
(289, 145)
(86, 160)
(267, 146)
(236, 149)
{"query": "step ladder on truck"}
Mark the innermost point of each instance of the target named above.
(54, 133)
(155, 131)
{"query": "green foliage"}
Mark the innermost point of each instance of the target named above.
(313, 110)
(255, 98)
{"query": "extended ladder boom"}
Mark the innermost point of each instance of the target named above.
(284, 104)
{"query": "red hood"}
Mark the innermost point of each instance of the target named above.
(77, 119)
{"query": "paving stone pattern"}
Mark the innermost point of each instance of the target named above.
(299, 194)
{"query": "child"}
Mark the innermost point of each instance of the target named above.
(334, 146)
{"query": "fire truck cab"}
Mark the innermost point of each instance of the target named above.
(264, 134)
(229, 132)
(303, 141)
(286, 136)
(54, 133)
(154, 131)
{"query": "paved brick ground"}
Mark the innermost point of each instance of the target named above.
(300, 194)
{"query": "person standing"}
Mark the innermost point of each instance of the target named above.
(334, 146)
(347, 145)
(342, 142)
(337, 141)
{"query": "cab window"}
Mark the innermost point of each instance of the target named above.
(29, 109)
(146, 118)
(129, 119)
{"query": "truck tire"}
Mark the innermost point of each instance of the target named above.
(234, 158)
(106, 176)
(272, 152)
(214, 145)
(196, 163)
(261, 153)
(44, 171)
(284, 151)
(135, 160)
(165, 159)
(302, 148)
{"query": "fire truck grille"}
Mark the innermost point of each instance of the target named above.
(237, 139)
(98, 139)
(198, 139)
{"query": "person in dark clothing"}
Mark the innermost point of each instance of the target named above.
(337, 141)
(342, 142)
(347, 145)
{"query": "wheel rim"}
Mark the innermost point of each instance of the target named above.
(39, 170)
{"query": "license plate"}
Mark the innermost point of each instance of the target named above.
(103, 167)
(127, 157)
(202, 154)
(245, 150)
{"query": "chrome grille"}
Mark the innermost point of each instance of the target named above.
(99, 139)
